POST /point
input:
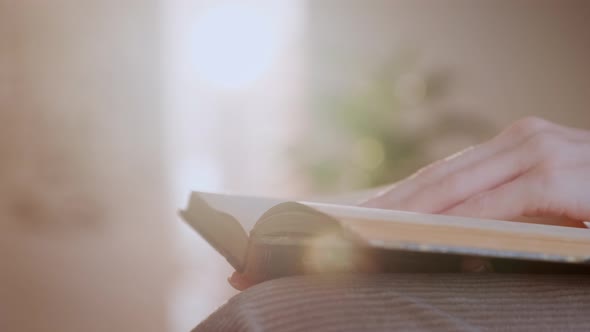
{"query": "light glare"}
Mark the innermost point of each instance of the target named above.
(235, 44)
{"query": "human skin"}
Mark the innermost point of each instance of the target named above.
(533, 171)
(534, 168)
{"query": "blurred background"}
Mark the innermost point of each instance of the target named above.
(111, 112)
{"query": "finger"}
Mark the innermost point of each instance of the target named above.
(483, 176)
(574, 134)
(551, 193)
(466, 183)
(239, 282)
(508, 201)
(402, 191)
(546, 147)
(392, 197)
(565, 186)
(551, 220)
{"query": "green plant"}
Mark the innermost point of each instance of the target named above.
(378, 132)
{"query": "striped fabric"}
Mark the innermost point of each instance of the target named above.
(409, 302)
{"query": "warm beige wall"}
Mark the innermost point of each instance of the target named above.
(507, 59)
(83, 241)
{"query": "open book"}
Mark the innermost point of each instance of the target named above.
(288, 238)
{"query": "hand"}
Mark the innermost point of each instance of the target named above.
(533, 169)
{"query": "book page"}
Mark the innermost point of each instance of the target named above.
(221, 229)
(246, 209)
(450, 234)
(410, 231)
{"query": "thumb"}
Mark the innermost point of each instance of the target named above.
(239, 281)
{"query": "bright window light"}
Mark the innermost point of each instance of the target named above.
(236, 44)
